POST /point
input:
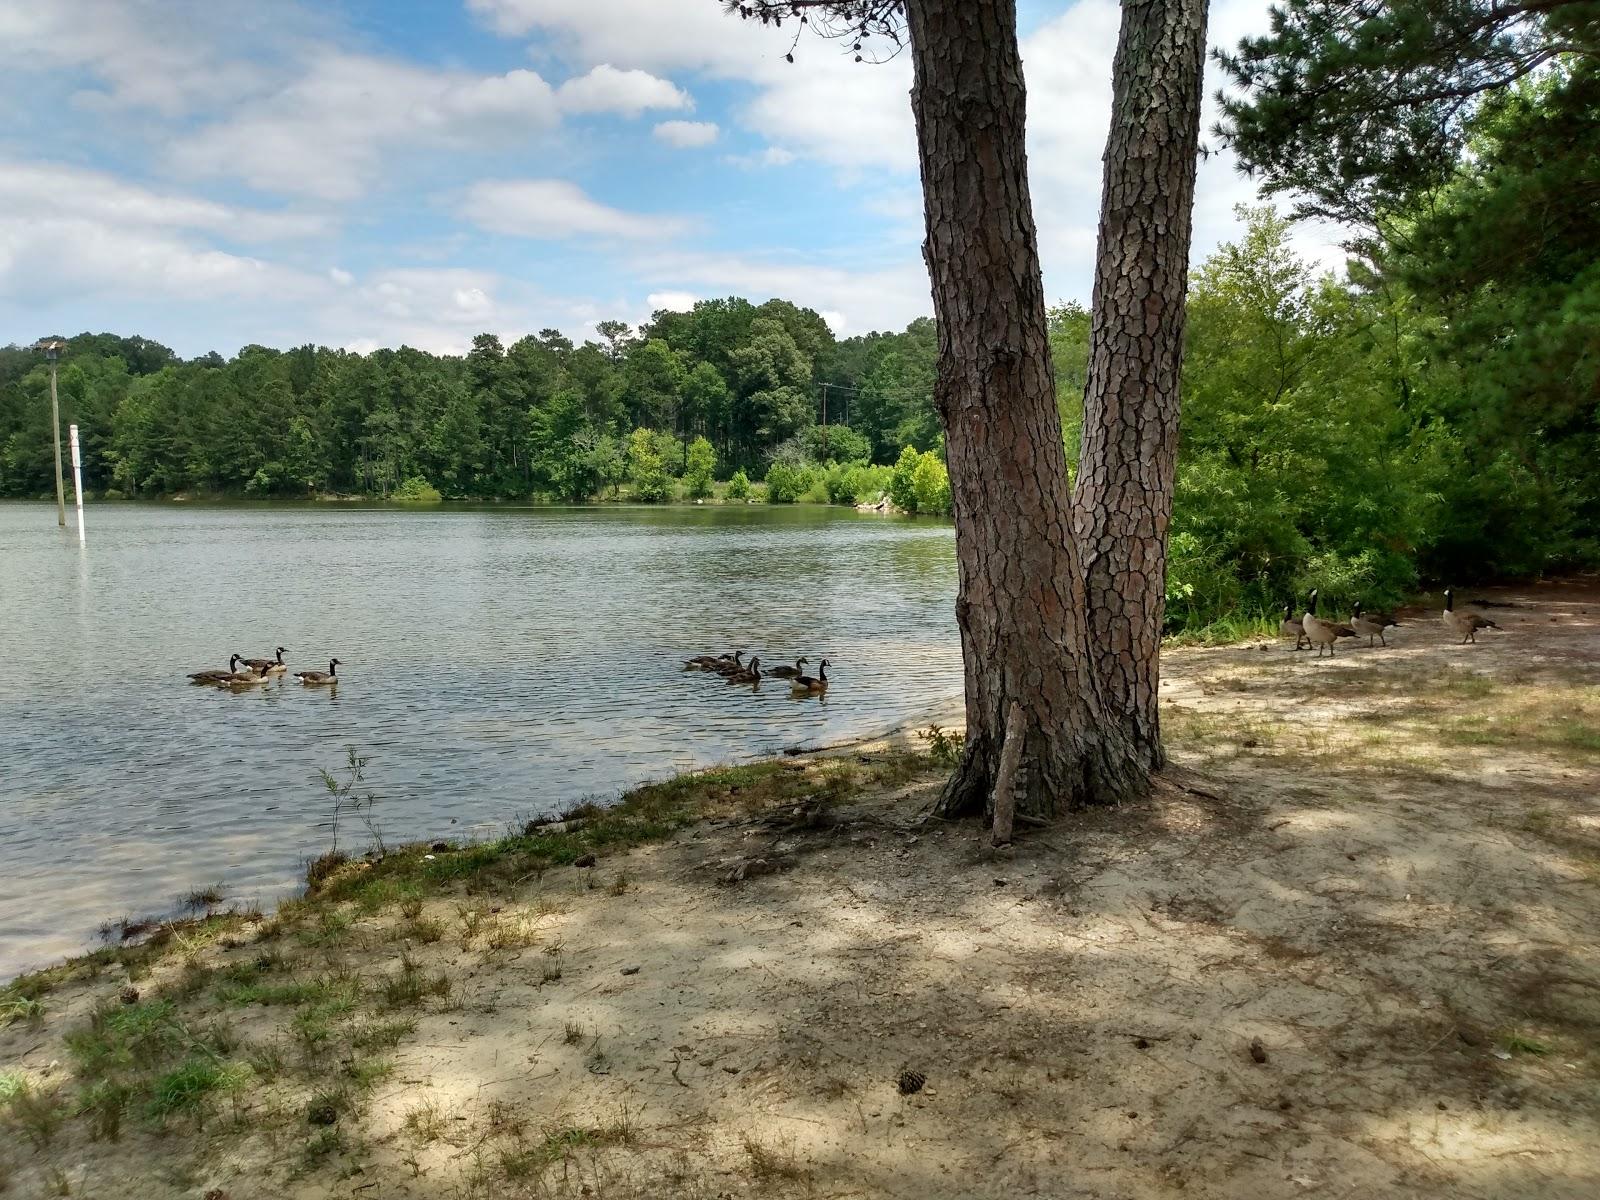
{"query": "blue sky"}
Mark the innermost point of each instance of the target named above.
(212, 173)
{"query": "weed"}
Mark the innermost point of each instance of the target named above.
(422, 930)
(550, 970)
(346, 801)
(331, 928)
(769, 1163)
(511, 934)
(366, 1073)
(325, 1144)
(12, 1083)
(58, 1183)
(382, 1035)
(1517, 1044)
(135, 1035)
(412, 986)
(411, 908)
(573, 1033)
(620, 885)
(38, 1115)
(201, 898)
(267, 1059)
(20, 1009)
(105, 1103)
(943, 747)
(186, 1087)
(427, 1122)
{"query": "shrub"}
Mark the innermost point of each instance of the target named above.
(416, 490)
(902, 487)
(837, 444)
(739, 486)
(702, 464)
(786, 484)
(930, 483)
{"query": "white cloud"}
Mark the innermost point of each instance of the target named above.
(772, 156)
(324, 134)
(62, 192)
(555, 209)
(342, 277)
(606, 89)
(671, 301)
(687, 134)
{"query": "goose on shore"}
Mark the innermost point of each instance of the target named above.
(268, 666)
(807, 685)
(1372, 624)
(1464, 625)
(788, 672)
(1322, 633)
(1290, 626)
(319, 677)
(216, 676)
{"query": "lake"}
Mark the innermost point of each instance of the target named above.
(497, 664)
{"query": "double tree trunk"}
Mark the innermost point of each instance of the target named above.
(1024, 626)
(1123, 501)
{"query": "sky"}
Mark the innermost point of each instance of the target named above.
(365, 173)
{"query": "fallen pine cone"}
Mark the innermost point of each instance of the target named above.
(910, 1082)
(584, 860)
(129, 994)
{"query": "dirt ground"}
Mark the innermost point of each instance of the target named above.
(1351, 951)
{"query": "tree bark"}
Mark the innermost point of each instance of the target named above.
(1020, 605)
(1123, 503)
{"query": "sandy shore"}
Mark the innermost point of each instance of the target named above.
(1347, 949)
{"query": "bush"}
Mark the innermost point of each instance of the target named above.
(930, 483)
(416, 490)
(786, 484)
(857, 483)
(739, 486)
(902, 488)
(702, 465)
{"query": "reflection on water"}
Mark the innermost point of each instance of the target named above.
(496, 664)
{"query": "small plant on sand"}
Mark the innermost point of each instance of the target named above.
(620, 885)
(202, 898)
(427, 1122)
(20, 1009)
(37, 1114)
(347, 800)
(943, 747)
(770, 1163)
(573, 1034)
(412, 986)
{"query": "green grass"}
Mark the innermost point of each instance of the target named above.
(186, 1087)
(105, 1103)
(120, 1037)
(1516, 1043)
(12, 1084)
(20, 1009)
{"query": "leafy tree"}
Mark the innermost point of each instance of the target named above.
(651, 483)
(1352, 106)
(903, 485)
(739, 486)
(702, 464)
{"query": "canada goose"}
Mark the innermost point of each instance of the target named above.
(314, 677)
(216, 676)
(239, 680)
(1322, 633)
(751, 674)
(1464, 624)
(268, 666)
(1372, 624)
(787, 672)
(805, 684)
(732, 666)
(709, 662)
(1290, 626)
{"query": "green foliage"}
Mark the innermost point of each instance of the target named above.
(930, 484)
(857, 483)
(739, 486)
(786, 484)
(902, 484)
(416, 490)
(836, 444)
(702, 465)
(651, 483)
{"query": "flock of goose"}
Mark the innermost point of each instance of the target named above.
(731, 668)
(1308, 629)
(256, 671)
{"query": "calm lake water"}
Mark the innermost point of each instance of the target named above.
(497, 664)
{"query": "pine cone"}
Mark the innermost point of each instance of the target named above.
(910, 1082)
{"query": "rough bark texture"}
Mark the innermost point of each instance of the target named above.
(1123, 501)
(1020, 607)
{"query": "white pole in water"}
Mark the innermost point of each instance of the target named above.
(77, 478)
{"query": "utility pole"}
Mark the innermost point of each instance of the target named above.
(52, 351)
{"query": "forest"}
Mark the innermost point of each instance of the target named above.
(1432, 413)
